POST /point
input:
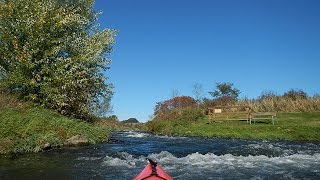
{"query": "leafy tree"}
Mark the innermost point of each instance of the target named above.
(53, 53)
(225, 93)
(225, 89)
(103, 108)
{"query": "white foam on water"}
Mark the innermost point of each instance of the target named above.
(271, 147)
(228, 165)
(140, 134)
(136, 134)
(123, 159)
(222, 162)
(169, 137)
(88, 158)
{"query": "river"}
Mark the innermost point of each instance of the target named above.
(182, 157)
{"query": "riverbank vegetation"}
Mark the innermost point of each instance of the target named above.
(28, 128)
(298, 116)
(289, 126)
(52, 73)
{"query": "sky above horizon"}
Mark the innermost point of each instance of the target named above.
(166, 46)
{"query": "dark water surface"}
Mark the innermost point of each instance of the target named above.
(181, 157)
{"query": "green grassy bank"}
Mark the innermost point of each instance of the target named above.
(26, 128)
(289, 126)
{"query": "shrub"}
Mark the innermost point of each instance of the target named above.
(191, 115)
(162, 108)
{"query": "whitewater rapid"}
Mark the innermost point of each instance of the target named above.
(261, 160)
(211, 166)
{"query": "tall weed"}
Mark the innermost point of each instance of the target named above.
(283, 104)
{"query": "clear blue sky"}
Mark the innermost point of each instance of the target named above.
(168, 45)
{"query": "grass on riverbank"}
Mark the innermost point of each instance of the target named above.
(290, 126)
(26, 128)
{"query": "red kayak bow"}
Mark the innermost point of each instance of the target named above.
(152, 172)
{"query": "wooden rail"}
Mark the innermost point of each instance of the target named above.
(229, 113)
(264, 116)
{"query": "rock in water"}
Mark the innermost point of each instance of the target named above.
(77, 140)
(46, 146)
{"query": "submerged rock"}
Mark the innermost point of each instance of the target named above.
(77, 140)
(46, 146)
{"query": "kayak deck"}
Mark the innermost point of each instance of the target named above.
(152, 171)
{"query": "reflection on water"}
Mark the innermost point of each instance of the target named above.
(181, 157)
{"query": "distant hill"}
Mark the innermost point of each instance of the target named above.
(131, 120)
